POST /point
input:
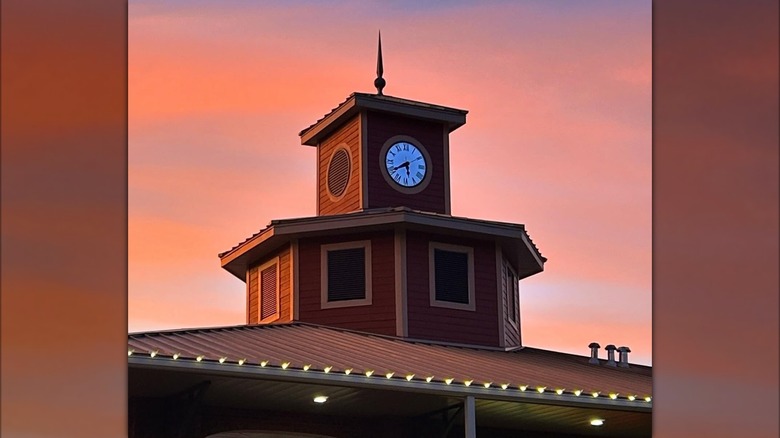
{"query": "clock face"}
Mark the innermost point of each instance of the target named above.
(406, 164)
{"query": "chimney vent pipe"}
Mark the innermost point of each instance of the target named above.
(624, 356)
(611, 355)
(594, 353)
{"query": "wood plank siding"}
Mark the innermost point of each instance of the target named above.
(379, 316)
(380, 128)
(349, 136)
(444, 324)
(285, 287)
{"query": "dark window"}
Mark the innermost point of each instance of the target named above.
(346, 274)
(268, 292)
(451, 276)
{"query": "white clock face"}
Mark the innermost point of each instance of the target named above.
(405, 164)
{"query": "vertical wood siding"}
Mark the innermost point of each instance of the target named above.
(431, 134)
(379, 316)
(285, 287)
(350, 200)
(452, 325)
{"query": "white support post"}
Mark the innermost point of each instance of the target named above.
(470, 414)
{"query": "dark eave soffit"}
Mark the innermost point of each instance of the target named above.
(280, 232)
(452, 117)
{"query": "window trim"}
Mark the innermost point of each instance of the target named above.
(432, 246)
(324, 303)
(276, 315)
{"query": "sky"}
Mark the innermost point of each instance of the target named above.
(558, 137)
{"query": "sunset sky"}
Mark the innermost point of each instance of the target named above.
(558, 137)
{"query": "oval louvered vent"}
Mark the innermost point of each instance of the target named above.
(338, 173)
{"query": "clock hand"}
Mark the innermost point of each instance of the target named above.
(405, 164)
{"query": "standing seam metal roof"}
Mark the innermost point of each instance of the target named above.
(302, 344)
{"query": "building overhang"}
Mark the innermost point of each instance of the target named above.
(381, 382)
(452, 118)
(513, 239)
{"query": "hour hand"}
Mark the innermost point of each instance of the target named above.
(405, 164)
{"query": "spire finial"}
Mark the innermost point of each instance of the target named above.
(379, 82)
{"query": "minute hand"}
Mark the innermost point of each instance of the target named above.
(405, 164)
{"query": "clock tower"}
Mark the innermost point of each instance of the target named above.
(384, 254)
(376, 151)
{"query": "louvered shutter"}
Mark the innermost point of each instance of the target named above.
(346, 274)
(451, 276)
(268, 295)
(511, 289)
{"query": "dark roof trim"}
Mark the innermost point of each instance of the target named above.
(290, 228)
(356, 102)
(381, 382)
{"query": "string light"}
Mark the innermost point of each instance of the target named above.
(410, 377)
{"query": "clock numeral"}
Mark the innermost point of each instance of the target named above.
(419, 175)
(421, 166)
(389, 163)
(397, 177)
(406, 146)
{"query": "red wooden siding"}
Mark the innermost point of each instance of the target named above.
(379, 316)
(285, 287)
(511, 332)
(444, 324)
(350, 200)
(383, 126)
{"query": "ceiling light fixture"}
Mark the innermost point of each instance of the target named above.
(320, 399)
(597, 422)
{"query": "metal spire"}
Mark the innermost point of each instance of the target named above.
(379, 83)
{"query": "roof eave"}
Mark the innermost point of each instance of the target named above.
(356, 102)
(379, 382)
(280, 232)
